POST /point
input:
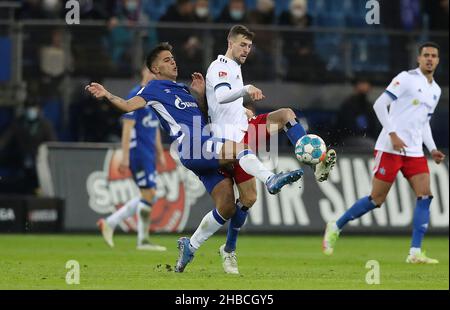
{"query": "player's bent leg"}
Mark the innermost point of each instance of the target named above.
(144, 213)
(287, 120)
(420, 183)
(232, 152)
(223, 197)
(107, 231)
(380, 189)
(247, 197)
(108, 225)
(322, 170)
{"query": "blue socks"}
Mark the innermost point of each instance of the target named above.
(294, 131)
(420, 220)
(236, 223)
(360, 208)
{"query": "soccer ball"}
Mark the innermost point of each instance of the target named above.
(310, 149)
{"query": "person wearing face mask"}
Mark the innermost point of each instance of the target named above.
(202, 13)
(23, 137)
(187, 41)
(298, 47)
(234, 13)
(263, 14)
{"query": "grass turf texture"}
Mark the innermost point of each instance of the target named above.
(265, 262)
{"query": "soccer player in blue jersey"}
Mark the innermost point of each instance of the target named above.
(141, 139)
(181, 117)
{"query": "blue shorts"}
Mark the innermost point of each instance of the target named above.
(205, 164)
(144, 171)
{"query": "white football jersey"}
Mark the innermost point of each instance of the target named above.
(415, 100)
(229, 120)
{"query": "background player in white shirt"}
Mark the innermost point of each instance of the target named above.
(225, 92)
(412, 98)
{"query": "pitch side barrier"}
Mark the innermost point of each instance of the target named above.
(86, 177)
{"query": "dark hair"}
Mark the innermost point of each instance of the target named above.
(154, 53)
(240, 29)
(429, 44)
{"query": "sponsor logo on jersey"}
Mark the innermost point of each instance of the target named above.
(181, 105)
(223, 74)
(177, 190)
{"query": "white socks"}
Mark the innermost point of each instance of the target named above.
(210, 224)
(143, 226)
(414, 251)
(253, 166)
(128, 210)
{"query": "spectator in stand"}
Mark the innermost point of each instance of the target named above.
(356, 120)
(263, 44)
(298, 47)
(54, 64)
(119, 41)
(234, 13)
(23, 138)
(201, 12)
(187, 42)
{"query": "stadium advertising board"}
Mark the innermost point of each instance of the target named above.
(89, 181)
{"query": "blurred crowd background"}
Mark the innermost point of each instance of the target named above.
(319, 57)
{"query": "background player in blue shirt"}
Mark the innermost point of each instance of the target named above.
(180, 116)
(141, 139)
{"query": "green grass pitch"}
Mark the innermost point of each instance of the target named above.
(265, 262)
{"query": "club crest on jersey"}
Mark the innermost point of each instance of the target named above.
(416, 102)
(223, 74)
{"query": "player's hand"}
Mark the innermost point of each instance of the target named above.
(96, 90)
(198, 83)
(162, 161)
(249, 113)
(437, 156)
(124, 166)
(398, 143)
(255, 93)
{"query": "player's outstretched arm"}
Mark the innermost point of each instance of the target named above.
(99, 92)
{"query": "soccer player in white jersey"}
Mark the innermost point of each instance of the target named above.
(225, 93)
(411, 98)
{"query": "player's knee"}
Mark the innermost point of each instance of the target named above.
(287, 115)
(226, 209)
(148, 194)
(378, 198)
(249, 199)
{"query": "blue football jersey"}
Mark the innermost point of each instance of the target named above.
(177, 110)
